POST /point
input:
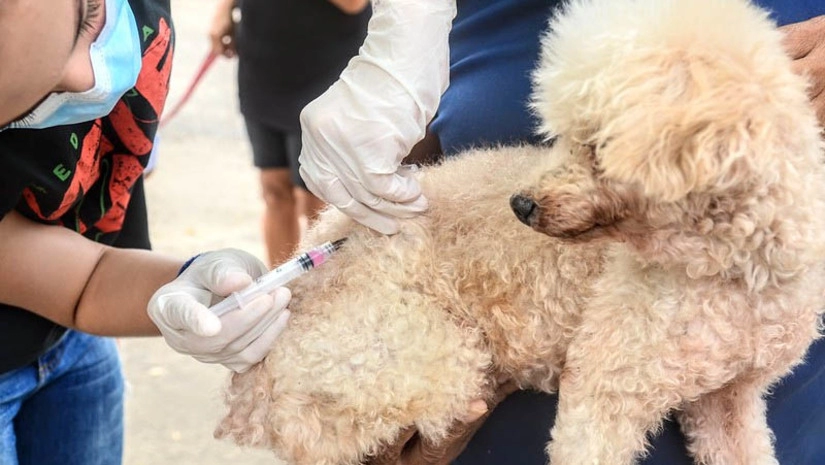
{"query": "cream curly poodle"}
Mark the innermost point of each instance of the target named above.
(679, 266)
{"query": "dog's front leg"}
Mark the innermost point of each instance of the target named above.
(729, 426)
(600, 427)
(613, 391)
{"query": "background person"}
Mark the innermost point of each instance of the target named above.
(289, 52)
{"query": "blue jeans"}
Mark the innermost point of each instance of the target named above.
(518, 429)
(66, 408)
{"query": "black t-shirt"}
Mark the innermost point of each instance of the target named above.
(88, 176)
(290, 52)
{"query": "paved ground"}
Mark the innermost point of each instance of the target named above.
(203, 195)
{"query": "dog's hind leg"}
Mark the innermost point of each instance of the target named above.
(729, 427)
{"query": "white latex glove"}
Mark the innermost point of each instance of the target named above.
(356, 133)
(238, 339)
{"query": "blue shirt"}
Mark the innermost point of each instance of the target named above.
(792, 11)
(494, 45)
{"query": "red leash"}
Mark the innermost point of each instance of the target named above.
(205, 65)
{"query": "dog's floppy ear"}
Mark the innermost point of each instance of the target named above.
(691, 127)
(676, 96)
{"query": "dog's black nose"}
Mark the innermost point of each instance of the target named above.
(524, 207)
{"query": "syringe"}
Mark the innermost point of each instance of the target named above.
(278, 277)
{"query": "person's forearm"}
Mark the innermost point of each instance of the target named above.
(118, 291)
(77, 283)
(351, 7)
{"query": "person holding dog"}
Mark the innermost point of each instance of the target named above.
(355, 141)
(79, 109)
(289, 52)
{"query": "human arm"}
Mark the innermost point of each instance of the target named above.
(222, 29)
(77, 283)
(805, 42)
(356, 134)
(62, 276)
(351, 7)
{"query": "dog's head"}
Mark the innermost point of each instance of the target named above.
(669, 111)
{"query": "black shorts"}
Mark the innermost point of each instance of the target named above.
(275, 148)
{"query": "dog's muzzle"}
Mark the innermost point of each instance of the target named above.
(525, 208)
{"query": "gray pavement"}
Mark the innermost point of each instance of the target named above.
(203, 195)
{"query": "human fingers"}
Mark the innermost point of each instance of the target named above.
(244, 325)
(801, 38)
(259, 347)
(333, 192)
(178, 313)
(393, 194)
(424, 451)
(393, 453)
(235, 344)
(224, 271)
(219, 37)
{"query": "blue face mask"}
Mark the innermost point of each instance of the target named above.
(116, 61)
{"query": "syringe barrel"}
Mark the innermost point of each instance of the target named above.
(277, 278)
(229, 303)
(264, 284)
(274, 279)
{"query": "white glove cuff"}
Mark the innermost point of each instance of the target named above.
(403, 67)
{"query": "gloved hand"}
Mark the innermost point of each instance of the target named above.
(237, 340)
(356, 133)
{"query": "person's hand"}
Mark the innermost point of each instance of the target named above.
(411, 449)
(805, 42)
(350, 7)
(356, 133)
(238, 339)
(222, 30)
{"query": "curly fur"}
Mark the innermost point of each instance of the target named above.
(679, 266)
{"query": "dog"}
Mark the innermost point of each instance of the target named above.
(664, 256)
